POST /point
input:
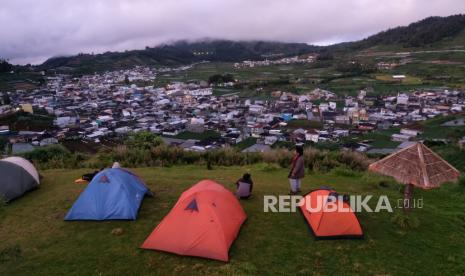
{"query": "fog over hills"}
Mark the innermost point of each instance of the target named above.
(33, 33)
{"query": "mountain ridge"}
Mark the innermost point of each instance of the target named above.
(183, 52)
(426, 33)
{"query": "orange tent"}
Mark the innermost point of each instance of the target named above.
(338, 221)
(204, 222)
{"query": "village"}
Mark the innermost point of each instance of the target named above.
(104, 108)
(268, 62)
(232, 137)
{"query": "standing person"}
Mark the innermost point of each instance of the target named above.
(297, 170)
(244, 186)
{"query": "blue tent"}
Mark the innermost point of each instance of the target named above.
(112, 194)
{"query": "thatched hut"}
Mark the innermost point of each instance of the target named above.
(417, 166)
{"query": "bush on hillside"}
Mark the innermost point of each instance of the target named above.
(54, 156)
(462, 181)
(218, 78)
(405, 221)
(10, 253)
(353, 160)
(282, 157)
(144, 140)
(146, 150)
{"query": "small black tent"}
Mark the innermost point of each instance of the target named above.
(17, 176)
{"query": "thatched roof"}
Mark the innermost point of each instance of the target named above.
(417, 165)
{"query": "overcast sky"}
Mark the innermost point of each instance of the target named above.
(34, 30)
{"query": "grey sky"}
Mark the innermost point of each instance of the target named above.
(34, 30)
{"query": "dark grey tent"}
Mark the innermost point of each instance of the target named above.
(17, 176)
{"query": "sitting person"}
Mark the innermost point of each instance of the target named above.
(244, 186)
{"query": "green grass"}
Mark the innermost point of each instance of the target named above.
(250, 141)
(221, 91)
(453, 154)
(382, 138)
(407, 80)
(36, 240)
(433, 129)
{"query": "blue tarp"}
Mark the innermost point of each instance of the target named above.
(286, 117)
(112, 194)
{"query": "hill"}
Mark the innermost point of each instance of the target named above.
(178, 53)
(429, 32)
(36, 240)
(426, 33)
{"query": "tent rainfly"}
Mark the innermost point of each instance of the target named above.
(112, 194)
(17, 177)
(204, 223)
(324, 223)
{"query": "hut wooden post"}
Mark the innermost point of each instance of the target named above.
(408, 195)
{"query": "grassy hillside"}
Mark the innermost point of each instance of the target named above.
(181, 52)
(36, 240)
(428, 32)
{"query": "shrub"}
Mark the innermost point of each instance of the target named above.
(405, 221)
(353, 160)
(462, 181)
(143, 140)
(12, 253)
(45, 154)
(145, 149)
(283, 157)
(53, 156)
(227, 157)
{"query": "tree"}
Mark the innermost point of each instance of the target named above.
(218, 78)
(143, 140)
(3, 142)
(6, 99)
(325, 55)
(5, 66)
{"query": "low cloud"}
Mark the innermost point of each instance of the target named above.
(34, 30)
